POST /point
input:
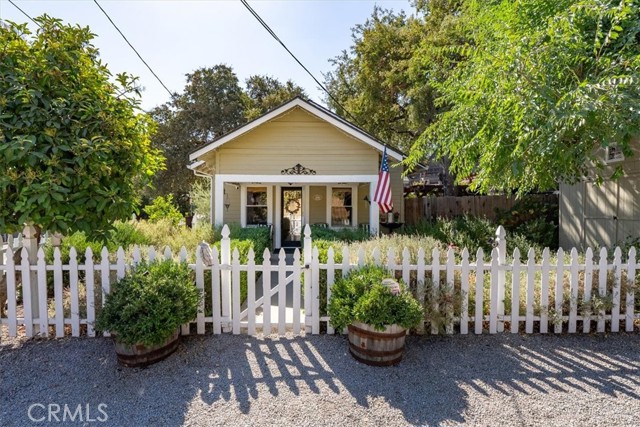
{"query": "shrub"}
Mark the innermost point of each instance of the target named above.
(150, 303)
(200, 195)
(361, 296)
(164, 208)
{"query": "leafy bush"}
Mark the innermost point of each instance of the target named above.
(344, 234)
(150, 303)
(163, 233)
(201, 198)
(164, 208)
(361, 296)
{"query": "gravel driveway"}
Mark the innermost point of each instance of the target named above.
(297, 381)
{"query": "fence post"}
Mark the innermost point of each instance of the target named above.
(225, 276)
(30, 236)
(501, 244)
(307, 278)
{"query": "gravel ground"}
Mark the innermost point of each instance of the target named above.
(298, 381)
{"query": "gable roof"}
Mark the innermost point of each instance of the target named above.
(312, 108)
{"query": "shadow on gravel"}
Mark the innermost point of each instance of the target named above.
(210, 375)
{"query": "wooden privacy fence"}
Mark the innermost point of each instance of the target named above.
(460, 292)
(430, 207)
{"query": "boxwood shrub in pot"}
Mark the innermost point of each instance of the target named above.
(145, 309)
(377, 310)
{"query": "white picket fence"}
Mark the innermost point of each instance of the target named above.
(458, 296)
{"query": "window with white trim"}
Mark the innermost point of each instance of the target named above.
(613, 153)
(341, 207)
(257, 209)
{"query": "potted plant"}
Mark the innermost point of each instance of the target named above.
(145, 309)
(377, 310)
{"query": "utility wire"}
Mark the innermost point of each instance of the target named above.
(134, 49)
(24, 13)
(275, 36)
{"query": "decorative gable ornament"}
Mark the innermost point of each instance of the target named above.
(298, 170)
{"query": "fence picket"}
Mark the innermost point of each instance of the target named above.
(545, 277)
(406, 262)
(183, 254)
(464, 293)
(420, 290)
(315, 294)
(266, 291)
(235, 291)
(306, 255)
(493, 300)
(89, 283)
(602, 286)
(73, 287)
(559, 294)
(631, 282)
(26, 292)
(515, 293)
(361, 256)
(391, 259)
(296, 291)
(167, 253)
(479, 287)
(152, 254)
(251, 293)
(331, 274)
(42, 293)
(200, 286)
(225, 277)
(617, 282)
(282, 292)
(11, 291)
(449, 289)
(136, 255)
(435, 287)
(573, 291)
(215, 292)
(531, 275)
(376, 256)
(588, 283)
(104, 276)
(58, 294)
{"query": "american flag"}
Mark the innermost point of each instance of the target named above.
(382, 195)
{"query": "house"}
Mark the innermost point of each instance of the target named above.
(607, 214)
(297, 164)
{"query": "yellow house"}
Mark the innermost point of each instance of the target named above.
(297, 164)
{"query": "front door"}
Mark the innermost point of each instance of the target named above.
(291, 221)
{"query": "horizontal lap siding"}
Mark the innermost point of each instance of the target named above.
(317, 208)
(297, 137)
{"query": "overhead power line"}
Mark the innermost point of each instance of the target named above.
(275, 36)
(24, 13)
(171, 94)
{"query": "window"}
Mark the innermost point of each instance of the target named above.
(613, 153)
(341, 207)
(256, 205)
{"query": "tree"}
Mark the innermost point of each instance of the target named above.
(543, 84)
(75, 148)
(265, 93)
(386, 82)
(212, 104)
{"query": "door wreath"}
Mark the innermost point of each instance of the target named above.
(292, 207)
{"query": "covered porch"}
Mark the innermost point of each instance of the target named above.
(289, 202)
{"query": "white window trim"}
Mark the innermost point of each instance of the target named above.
(354, 204)
(243, 202)
(616, 159)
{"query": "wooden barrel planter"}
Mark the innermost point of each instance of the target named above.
(139, 355)
(377, 348)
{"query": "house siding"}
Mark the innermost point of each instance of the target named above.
(317, 208)
(297, 137)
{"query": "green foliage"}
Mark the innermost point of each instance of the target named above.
(200, 195)
(163, 208)
(150, 303)
(265, 93)
(75, 147)
(361, 296)
(543, 84)
(345, 234)
(163, 233)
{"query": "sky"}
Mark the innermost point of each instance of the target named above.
(178, 37)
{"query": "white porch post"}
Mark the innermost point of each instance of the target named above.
(374, 215)
(218, 203)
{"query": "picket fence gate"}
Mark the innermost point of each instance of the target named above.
(547, 295)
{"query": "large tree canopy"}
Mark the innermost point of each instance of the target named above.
(543, 84)
(74, 147)
(212, 104)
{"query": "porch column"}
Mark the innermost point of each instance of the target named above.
(374, 215)
(218, 202)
